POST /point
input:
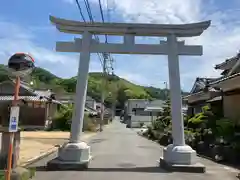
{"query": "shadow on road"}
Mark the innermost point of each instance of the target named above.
(95, 141)
(135, 169)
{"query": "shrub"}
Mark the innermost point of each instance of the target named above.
(205, 119)
(224, 127)
(198, 121)
(157, 125)
(89, 123)
(165, 139)
(150, 133)
(62, 120)
(166, 120)
(206, 109)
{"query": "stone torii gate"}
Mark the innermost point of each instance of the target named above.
(175, 155)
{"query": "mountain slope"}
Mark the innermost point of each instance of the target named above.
(117, 89)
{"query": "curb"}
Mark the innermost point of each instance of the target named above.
(39, 157)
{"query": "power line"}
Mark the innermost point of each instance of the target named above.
(87, 5)
(86, 2)
(105, 56)
(91, 19)
(101, 10)
(80, 10)
(102, 16)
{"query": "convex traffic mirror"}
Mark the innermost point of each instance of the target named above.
(21, 63)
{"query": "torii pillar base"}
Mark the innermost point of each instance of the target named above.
(72, 156)
(181, 159)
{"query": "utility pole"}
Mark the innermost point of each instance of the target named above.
(166, 87)
(114, 99)
(105, 57)
(113, 94)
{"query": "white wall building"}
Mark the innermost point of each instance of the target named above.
(137, 114)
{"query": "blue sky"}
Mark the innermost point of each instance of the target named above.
(25, 27)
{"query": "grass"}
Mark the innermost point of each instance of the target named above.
(25, 175)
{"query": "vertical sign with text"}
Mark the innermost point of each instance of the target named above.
(14, 117)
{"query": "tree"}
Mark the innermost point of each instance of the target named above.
(121, 97)
(120, 89)
(167, 108)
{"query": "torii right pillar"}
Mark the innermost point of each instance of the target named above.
(177, 156)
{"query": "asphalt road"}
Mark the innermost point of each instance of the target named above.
(120, 154)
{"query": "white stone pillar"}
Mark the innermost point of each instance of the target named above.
(81, 89)
(176, 155)
(175, 91)
(76, 154)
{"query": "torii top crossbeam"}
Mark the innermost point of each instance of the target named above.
(183, 30)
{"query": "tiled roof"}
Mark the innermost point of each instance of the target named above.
(158, 109)
(230, 61)
(224, 79)
(43, 93)
(156, 103)
(201, 83)
(37, 95)
(90, 109)
(27, 98)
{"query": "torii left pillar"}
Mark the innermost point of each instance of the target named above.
(76, 154)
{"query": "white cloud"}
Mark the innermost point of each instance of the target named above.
(14, 38)
(220, 41)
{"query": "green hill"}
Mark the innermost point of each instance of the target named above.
(3, 73)
(117, 89)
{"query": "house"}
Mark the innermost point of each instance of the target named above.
(90, 102)
(36, 107)
(135, 105)
(200, 93)
(221, 93)
(68, 98)
(154, 107)
(141, 111)
(229, 84)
